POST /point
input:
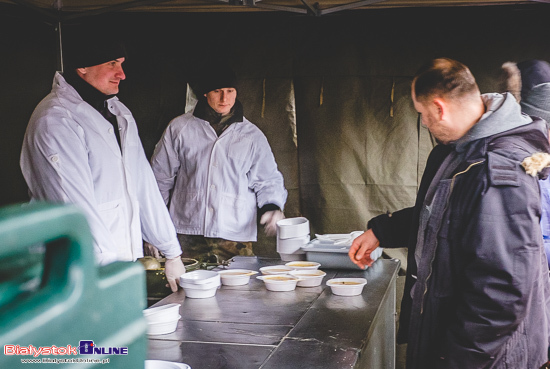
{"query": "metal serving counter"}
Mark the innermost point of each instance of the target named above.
(249, 327)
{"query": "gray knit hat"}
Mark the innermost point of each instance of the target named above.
(529, 82)
(535, 90)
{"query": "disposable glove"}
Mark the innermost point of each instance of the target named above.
(150, 250)
(269, 219)
(173, 269)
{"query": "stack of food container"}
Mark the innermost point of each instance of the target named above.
(292, 234)
(162, 319)
(332, 250)
(200, 284)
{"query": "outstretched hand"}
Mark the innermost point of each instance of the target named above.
(269, 219)
(362, 247)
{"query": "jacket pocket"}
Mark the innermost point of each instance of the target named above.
(234, 213)
(524, 275)
(112, 215)
(240, 148)
(186, 208)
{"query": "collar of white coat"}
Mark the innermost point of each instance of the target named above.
(87, 115)
(115, 106)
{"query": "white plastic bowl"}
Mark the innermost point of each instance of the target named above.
(199, 277)
(292, 227)
(200, 293)
(297, 256)
(236, 277)
(214, 283)
(275, 269)
(309, 278)
(303, 265)
(161, 364)
(291, 245)
(162, 327)
(163, 313)
(279, 283)
(200, 284)
(347, 286)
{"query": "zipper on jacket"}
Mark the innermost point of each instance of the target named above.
(439, 228)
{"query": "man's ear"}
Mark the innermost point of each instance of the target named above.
(81, 70)
(441, 108)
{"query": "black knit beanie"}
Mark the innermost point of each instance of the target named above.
(220, 76)
(87, 46)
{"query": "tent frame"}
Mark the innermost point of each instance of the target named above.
(56, 13)
(56, 16)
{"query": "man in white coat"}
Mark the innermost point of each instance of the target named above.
(82, 146)
(214, 169)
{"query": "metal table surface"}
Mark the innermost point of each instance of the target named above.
(249, 327)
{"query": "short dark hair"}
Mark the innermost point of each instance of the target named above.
(443, 77)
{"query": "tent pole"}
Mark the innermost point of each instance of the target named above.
(59, 47)
(58, 6)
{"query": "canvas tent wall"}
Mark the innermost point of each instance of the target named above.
(331, 93)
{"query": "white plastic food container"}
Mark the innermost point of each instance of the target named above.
(199, 277)
(303, 265)
(333, 256)
(163, 327)
(275, 269)
(198, 293)
(279, 283)
(236, 277)
(162, 319)
(347, 286)
(309, 278)
(200, 284)
(290, 249)
(163, 313)
(292, 227)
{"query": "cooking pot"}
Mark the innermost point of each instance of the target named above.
(157, 285)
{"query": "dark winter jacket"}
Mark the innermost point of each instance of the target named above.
(477, 274)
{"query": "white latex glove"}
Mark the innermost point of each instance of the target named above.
(150, 250)
(269, 219)
(173, 269)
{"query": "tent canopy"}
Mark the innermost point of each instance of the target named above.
(59, 9)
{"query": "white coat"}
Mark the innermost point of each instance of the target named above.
(70, 155)
(213, 184)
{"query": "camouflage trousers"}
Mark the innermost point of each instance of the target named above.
(202, 248)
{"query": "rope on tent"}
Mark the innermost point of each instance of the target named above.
(321, 92)
(391, 96)
(263, 99)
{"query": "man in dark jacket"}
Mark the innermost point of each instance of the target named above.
(477, 289)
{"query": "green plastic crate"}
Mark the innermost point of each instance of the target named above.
(53, 297)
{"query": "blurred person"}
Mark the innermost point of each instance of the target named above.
(477, 289)
(82, 146)
(529, 82)
(214, 169)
